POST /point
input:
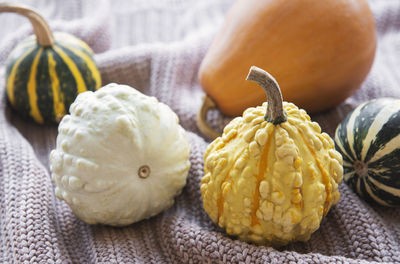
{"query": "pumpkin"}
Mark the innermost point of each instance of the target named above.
(368, 139)
(120, 157)
(45, 72)
(319, 51)
(272, 175)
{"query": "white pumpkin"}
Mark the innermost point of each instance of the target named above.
(121, 156)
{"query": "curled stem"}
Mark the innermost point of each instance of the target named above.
(275, 112)
(41, 29)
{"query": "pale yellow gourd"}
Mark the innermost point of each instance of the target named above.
(121, 156)
(272, 175)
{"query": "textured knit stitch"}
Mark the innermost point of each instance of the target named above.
(157, 47)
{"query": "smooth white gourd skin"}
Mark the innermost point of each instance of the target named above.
(101, 145)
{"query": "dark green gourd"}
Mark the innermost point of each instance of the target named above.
(369, 141)
(46, 72)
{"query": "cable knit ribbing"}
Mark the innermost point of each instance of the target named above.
(157, 47)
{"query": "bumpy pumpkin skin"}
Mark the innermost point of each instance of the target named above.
(318, 51)
(102, 146)
(42, 82)
(271, 184)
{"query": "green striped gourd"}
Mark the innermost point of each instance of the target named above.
(46, 72)
(369, 141)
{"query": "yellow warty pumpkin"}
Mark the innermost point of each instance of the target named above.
(271, 179)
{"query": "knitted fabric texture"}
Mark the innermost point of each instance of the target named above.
(156, 47)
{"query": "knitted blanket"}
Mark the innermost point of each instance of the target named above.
(156, 47)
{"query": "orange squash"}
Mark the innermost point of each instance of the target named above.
(319, 52)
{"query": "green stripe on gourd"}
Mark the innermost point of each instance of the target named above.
(11, 72)
(58, 96)
(46, 72)
(68, 88)
(83, 64)
(45, 95)
(17, 83)
(369, 140)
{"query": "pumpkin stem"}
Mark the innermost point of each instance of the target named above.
(41, 29)
(275, 112)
